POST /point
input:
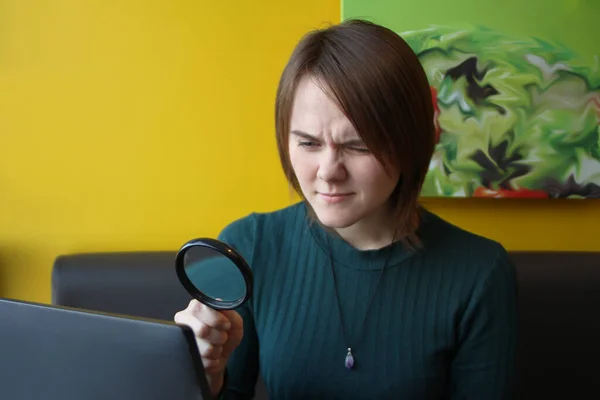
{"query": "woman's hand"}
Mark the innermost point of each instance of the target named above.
(217, 334)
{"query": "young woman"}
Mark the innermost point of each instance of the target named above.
(360, 293)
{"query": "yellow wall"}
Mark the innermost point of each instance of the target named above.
(139, 124)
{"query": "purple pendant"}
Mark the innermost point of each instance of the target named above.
(349, 359)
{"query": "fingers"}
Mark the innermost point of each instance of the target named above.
(208, 340)
(235, 334)
(210, 317)
(217, 333)
(234, 318)
(213, 352)
(212, 335)
(200, 328)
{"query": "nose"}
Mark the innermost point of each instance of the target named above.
(331, 166)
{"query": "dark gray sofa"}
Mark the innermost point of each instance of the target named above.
(559, 316)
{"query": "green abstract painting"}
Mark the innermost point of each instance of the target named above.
(516, 88)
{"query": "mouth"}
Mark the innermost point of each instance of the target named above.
(334, 197)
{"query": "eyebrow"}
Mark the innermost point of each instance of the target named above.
(304, 135)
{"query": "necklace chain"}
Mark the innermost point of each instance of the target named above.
(349, 360)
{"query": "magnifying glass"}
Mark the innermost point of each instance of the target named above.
(214, 273)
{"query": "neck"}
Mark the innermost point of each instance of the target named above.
(370, 233)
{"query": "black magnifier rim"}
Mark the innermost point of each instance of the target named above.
(226, 251)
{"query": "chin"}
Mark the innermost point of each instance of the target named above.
(335, 219)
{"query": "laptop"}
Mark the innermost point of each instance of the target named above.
(54, 352)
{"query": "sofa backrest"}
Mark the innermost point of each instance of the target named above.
(140, 284)
(559, 295)
(559, 324)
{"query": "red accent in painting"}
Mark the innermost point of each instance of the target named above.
(436, 114)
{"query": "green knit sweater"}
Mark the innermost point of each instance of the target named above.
(441, 324)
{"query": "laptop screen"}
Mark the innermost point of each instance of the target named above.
(52, 352)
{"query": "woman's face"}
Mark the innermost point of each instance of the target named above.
(340, 178)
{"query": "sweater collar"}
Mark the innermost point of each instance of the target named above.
(346, 255)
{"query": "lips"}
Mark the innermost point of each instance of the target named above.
(334, 197)
(334, 194)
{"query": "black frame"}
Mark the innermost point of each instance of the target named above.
(75, 321)
(228, 252)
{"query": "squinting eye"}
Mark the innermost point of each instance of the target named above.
(360, 150)
(307, 144)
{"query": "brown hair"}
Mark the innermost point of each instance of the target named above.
(379, 83)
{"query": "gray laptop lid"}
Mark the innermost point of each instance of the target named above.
(51, 352)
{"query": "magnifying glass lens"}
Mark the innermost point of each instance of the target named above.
(214, 273)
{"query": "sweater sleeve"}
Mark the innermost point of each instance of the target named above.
(484, 363)
(242, 366)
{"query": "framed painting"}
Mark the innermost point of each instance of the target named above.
(516, 89)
